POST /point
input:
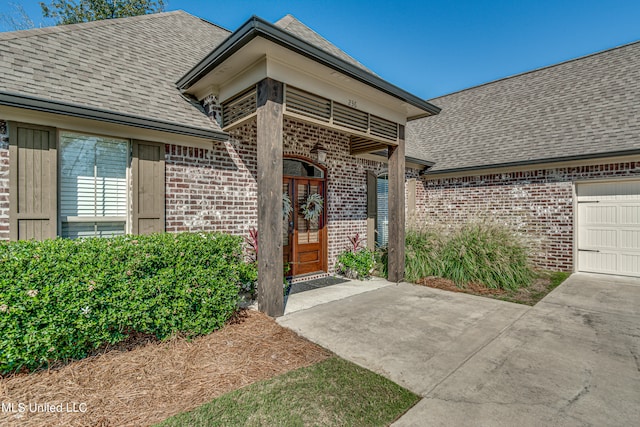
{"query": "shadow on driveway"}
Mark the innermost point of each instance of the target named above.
(573, 359)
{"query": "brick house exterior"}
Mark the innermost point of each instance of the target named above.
(230, 204)
(514, 151)
(537, 203)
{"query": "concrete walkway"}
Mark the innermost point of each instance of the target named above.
(573, 359)
(311, 298)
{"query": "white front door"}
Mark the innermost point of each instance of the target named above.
(608, 232)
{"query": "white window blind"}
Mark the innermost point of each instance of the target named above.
(382, 235)
(93, 185)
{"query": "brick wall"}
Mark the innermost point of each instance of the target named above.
(216, 189)
(346, 181)
(538, 204)
(4, 181)
(213, 189)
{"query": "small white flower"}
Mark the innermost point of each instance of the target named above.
(86, 311)
(32, 292)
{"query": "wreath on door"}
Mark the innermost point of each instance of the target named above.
(312, 207)
(286, 206)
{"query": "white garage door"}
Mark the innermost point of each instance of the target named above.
(609, 227)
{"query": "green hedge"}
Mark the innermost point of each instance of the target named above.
(59, 299)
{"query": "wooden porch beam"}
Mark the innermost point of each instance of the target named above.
(396, 210)
(269, 177)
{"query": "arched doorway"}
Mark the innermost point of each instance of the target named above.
(304, 240)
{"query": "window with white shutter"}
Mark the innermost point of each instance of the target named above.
(93, 185)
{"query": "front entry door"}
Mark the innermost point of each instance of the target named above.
(304, 240)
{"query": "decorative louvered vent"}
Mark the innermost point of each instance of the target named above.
(361, 145)
(369, 132)
(383, 128)
(317, 107)
(308, 104)
(350, 117)
(239, 106)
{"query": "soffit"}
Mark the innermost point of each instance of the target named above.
(260, 58)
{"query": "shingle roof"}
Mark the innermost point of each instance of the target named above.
(589, 106)
(297, 28)
(127, 65)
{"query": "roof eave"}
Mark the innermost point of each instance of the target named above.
(421, 162)
(68, 109)
(415, 160)
(256, 26)
(548, 160)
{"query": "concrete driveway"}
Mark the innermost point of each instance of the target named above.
(573, 359)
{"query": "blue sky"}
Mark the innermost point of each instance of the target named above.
(434, 48)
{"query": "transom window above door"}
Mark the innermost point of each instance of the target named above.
(295, 167)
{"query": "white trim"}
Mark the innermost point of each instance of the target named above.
(574, 237)
(85, 219)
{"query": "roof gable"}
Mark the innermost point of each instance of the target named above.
(586, 107)
(297, 28)
(210, 71)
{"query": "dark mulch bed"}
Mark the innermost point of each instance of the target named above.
(529, 295)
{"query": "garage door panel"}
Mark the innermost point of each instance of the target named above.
(598, 262)
(629, 214)
(599, 238)
(608, 227)
(596, 214)
(629, 240)
(630, 264)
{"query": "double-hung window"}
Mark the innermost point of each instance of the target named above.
(93, 185)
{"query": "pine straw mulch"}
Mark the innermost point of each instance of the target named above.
(155, 380)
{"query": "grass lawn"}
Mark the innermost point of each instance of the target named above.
(330, 393)
(543, 283)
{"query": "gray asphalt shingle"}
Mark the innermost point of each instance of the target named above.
(587, 106)
(290, 24)
(127, 65)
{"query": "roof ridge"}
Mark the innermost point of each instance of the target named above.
(55, 29)
(535, 70)
(289, 19)
(286, 20)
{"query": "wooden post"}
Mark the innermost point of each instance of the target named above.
(269, 140)
(396, 210)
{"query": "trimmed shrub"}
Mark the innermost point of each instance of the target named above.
(60, 299)
(356, 265)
